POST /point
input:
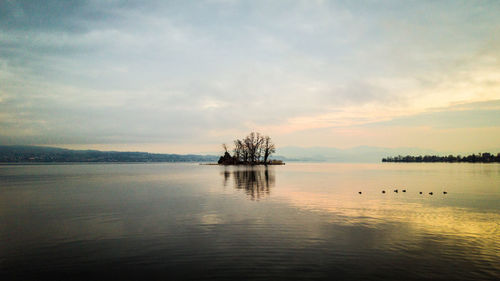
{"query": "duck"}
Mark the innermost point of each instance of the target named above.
(404, 190)
(359, 192)
(395, 190)
(420, 192)
(445, 192)
(430, 193)
(383, 191)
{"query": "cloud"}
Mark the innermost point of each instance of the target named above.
(470, 115)
(177, 72)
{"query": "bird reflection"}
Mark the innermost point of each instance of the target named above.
(255, 181)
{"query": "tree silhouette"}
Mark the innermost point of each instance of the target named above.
(473, 158)
(253, 149)
(268, 148)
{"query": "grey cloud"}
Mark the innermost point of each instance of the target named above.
(120, 71)
(470, 115)
(66, 16)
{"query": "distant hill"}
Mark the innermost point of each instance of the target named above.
(360, 154)
(18, 154)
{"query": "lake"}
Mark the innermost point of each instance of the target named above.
(300, 221)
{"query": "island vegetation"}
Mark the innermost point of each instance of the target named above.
(473, 158)
(254, 149)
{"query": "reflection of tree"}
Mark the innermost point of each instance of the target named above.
(256, 181)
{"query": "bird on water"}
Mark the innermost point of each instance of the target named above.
(431, 193)
(445, 192)
(383, 191)
(359, 192)
(404, 190)
(395, 190)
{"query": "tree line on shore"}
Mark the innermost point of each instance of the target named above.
(473, 158)
(251, 150)
(39, 154)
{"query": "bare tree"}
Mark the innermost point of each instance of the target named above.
(253, 143)
(239, 150)
(248, 141)
(268, 147)
(254, 148)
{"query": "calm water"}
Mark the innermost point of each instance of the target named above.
(293, 222)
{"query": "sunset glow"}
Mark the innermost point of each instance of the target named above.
(187, 76)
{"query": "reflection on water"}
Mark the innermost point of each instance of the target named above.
(256, 181)
(293, 222)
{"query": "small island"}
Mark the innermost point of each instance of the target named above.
(254, 149)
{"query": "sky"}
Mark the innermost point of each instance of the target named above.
(186, 76)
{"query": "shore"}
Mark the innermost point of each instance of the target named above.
(243, 164)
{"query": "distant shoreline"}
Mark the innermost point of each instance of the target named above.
(90, 163)
(38, 154)
(244, 164)
(485, 157)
